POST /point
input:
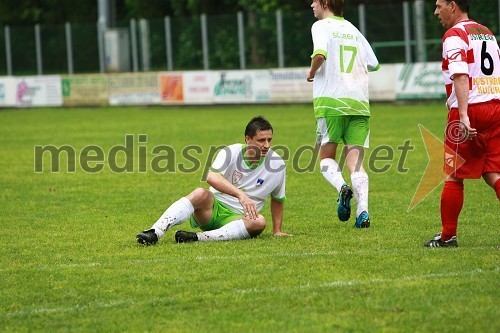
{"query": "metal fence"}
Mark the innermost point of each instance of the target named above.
(399, 33)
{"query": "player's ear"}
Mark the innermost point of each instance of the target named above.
(247, 138)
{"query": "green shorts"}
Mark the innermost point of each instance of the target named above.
(221, 215)
(351, 130)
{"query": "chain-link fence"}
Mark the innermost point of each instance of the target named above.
(398, 33)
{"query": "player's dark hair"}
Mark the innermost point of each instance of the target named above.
(257, 124)
(336, 6)
(462, 4)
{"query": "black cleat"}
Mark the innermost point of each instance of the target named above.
(182, 236)
(438, 242)
(344, 207)
(147, 237)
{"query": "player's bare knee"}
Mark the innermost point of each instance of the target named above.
(255, 227)
(260, 222)
(198, 195)
(491, 178)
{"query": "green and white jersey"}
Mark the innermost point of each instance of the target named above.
(341, 84)
(258, 181)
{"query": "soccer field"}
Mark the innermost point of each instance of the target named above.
(70, 261)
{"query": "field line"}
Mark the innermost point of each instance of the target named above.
(348, 283)
(74, 308)
(237, 257)
(308, 286)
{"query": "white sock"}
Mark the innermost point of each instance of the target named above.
(176, 214)
(232, 230)
(331, 171)
(360, 188)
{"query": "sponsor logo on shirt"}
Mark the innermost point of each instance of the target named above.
(455, 55)
(260, 181)
(236, 176)
(450, 160)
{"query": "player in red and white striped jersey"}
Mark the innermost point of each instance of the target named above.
(471, 69)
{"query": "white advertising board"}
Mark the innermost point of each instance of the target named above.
(7, 91)
(38, 91)
(245, 86)
(198, 87)
(289, 85)
(419, 81)
(382, 84)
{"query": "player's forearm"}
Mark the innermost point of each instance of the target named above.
(277, 209)
(461, 84)
(221, 184)
(316, 63)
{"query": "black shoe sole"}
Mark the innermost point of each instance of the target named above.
(345, 197)
(442, 244)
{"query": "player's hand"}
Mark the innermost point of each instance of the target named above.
(282, 234)
(309, 76)
(466, 131)
(249, 208)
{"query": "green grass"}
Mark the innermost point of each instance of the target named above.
(69, 261)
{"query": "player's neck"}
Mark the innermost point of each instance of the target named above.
(252, 157)
(462, 18)
(326, 14)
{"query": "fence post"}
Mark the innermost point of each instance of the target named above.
(69, 47)
(8, 51)
(168, 43)
(420, 31)
(241, 40)
(362, 18)
(146, 61)
(38, 44)
(133, 38)
(406, 22)
(279, 32)
(100, 45)
(204, 41)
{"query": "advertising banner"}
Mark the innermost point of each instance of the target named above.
(80, 90)
(133, 89)
(38, 91)
(382, 84)
(419, 81)
(171, 87)
(289, 85)
(198, 87)
(245, 86)
(7, 91)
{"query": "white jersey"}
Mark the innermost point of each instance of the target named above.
(258, 181)
(471, 48)
(341, 84)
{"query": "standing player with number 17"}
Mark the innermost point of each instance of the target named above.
(340, 63)
(471, 69)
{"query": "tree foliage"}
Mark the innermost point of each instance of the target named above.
(29, 12)
(24, 12)
(260, 35)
